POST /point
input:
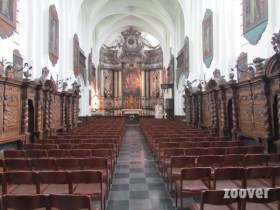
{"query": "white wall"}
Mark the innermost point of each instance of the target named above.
(228, 41)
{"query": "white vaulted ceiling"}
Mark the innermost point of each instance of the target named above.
(103, 21)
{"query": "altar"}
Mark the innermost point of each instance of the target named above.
(131, 112)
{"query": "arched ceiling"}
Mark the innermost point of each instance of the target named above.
(105, 19)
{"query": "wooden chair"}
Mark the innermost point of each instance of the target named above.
(80, 153)
(20, 182)
(273, 159)
(192, 182)
(255, 149)
(232, 160)
(228, 178)
(271, 202)
(276, 176)
(68, 164)
(259, 177)
(54, 182)
(89, 182)
(43, 164)
(216, 151)
(254, 160)
(237, 150)
(68, 146)
(165, 162)
(58, 153)
(197, 151)
(36, 153)
(19, 202)
(14, 153)
(44, 141)
(214, 199)
(48, 146)
(70, 202)
(101, 164)
(174, 171)
(17, 164)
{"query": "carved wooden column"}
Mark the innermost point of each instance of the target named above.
(75, 111)
(222, 112)
(63, 107)
(51, 106)
(46, 113)
(194, 112)
(190, 110)
(214, 112)
(38, 130)
(199, 99)
(69, 111)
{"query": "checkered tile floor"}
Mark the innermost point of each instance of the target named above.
(137, 183)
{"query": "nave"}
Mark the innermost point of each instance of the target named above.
(137, 183)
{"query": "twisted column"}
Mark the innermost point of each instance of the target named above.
(266, 118)
(25, 116)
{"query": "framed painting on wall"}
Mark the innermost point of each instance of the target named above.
(18, 64)
(53, 35)
(207, 37)
(7, 17)
(76, 52)
(255, 12)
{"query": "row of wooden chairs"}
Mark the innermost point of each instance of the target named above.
(172, 169)
(216, 199)
(79, 140)
(63, 153)
(48, 202)
(70, 146)
(208, 151)
(192, 181)
(50, 164)
(88, 182)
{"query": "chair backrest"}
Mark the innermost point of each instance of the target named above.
(182, 161)
(58, 153)
(17, 164)
(80, 153)
(19, 178)
(69, 202)
(14, 153)
(266, 196)
(264, 173)
(232, 160)
(216, 151)
(68, 164)
(19, 202)
(39, 164)
(217, 197)
(197, 151)
(196, 173)
(237, 150)
(208, 160)
(68, 146)
(254, 160)
(36, 153)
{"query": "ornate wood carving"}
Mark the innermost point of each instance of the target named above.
(12, 107)
(1, 108)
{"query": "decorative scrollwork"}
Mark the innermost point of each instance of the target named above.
(276, 42)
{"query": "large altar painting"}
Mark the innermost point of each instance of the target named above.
(108, 83)
(131, 81)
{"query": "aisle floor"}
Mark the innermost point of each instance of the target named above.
(137, 183)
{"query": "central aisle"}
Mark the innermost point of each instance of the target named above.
(137, 184)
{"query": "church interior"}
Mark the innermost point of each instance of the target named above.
(139, 105)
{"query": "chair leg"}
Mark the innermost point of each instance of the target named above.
(181, 202)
